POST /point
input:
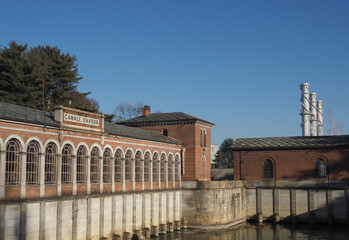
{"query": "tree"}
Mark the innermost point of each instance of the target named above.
(41, 76)
(124, 111)
(224, 156)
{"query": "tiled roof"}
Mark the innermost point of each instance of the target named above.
(291, 142)
(28, 115)
(153, 118)
(137, 133)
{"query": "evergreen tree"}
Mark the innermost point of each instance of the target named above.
(224, 156)
(41, 76)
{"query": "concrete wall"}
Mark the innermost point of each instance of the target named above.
(88, 217)
(304, 202)
(213, 203)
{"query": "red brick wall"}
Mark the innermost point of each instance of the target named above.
(292, 164)
(190, 136)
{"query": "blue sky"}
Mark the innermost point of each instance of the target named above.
(237, 64)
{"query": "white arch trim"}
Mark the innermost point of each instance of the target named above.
(17, 137)
(71, 144)
(53, 141)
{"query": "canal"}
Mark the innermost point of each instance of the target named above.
(265, 231)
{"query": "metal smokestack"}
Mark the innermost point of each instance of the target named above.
(305, 112)
(313, 115)
(320, 127)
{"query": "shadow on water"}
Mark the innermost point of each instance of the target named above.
(249, 231)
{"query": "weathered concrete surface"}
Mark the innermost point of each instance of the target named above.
(298, 201)
(213, 203)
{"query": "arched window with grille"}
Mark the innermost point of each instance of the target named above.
(128, 165)
(163, 168)
(170, 168)
(155, 167)
(67, 157)
(81, 165)
(107, 157)
(147, 166)
(50, 163)
(268, 169)
(320, 168)
(138, 172)
(33, 158)
(94, 167)
(13, 159)
(118, 166)
(177, 173)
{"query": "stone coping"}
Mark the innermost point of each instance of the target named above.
(212, 184)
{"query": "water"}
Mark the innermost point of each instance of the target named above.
(265, 232)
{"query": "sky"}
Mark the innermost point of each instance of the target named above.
(237, 64)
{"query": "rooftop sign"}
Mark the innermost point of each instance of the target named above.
(68, 117)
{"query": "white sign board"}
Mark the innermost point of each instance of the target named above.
(81, 119)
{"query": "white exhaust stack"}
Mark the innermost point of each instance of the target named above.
(313, 115)
(320, 127)
(305, 112)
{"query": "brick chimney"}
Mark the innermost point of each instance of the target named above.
(145, 111)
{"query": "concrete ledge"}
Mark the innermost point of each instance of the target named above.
(212, 185)
(320, 184)
(218, 226)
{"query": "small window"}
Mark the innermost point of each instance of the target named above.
(320, 168)
(268, 169)
(107, 157)
(128, 165)
(146, 167)
(165, 132)
(138, 173)
(162, 168)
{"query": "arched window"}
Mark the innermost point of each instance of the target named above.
(170, 168)
(155, 167)
(94, 168)
(138, 176)
(107, 157)
(205, 134)
(268, 169)
(320, 168)
(118, 166)
(67, 155)
(128, 165)
(33, 157)
(163, 168)
(201, 137)
(13, 157)
(146, 166)
(177, 176)
(81, 163)
(165, 132)
(50, 163)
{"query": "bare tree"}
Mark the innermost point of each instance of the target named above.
(125, 110)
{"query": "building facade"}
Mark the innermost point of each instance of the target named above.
(319, 159)
(68, 174)
(194, 133)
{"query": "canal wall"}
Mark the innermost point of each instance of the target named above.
(90, 217)
(298, 201)
(214, 203)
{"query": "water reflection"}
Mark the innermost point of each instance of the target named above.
(264, 232)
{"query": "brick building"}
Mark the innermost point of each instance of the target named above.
(319, 159)
(73, 152)
(194, 133)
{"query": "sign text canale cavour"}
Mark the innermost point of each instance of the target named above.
(81, 119)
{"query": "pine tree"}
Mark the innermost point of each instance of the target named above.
(41, 76)
(224, 155)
